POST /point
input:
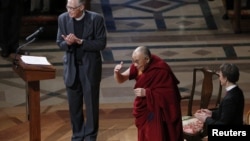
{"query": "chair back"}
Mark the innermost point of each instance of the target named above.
(207, 89)
(247, 120)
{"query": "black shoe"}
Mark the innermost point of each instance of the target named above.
(225, 17)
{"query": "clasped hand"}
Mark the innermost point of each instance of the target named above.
(71, 39)
(202, 114)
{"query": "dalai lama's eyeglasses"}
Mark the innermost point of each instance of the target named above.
(138, 61)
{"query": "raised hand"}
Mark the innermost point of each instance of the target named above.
(118, 67)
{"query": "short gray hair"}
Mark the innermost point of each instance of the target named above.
(80, 1)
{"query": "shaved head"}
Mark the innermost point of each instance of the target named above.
(142, 50)
(141, 57)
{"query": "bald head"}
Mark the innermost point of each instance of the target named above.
(141, 57)
(142, 50)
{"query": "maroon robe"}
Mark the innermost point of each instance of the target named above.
(158, 115)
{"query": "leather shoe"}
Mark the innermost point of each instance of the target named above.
(225, 17)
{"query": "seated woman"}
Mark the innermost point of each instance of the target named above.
(231, 108)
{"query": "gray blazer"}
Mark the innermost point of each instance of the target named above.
(94, 35)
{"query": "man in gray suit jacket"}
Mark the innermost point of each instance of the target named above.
(82, 35)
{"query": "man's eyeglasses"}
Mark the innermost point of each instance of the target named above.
(69, 8)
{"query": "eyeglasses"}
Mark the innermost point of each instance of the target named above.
(69, 8)
(138, 61)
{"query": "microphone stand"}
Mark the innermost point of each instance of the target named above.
(17, 50)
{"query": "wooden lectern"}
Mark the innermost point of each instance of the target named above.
(32, 74)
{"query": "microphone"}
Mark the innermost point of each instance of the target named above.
(31, 38)
(33, 35)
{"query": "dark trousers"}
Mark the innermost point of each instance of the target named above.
(10, 20)
(80, 94)
(229, 4)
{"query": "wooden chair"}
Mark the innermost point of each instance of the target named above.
(208, 81)
(247, 119)
(239, 15)
(207, 90)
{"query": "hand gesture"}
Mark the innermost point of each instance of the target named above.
(202, 114)
(118, 67)
(207, 112)
(140, 92)
(71, 39)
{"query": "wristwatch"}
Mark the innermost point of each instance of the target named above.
(81, 41)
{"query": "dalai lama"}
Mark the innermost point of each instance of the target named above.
(157, 108)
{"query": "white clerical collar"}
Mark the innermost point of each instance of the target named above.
(80, 18)
(230, 87)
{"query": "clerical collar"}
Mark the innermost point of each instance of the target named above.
(230, 87)
(80, 18)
